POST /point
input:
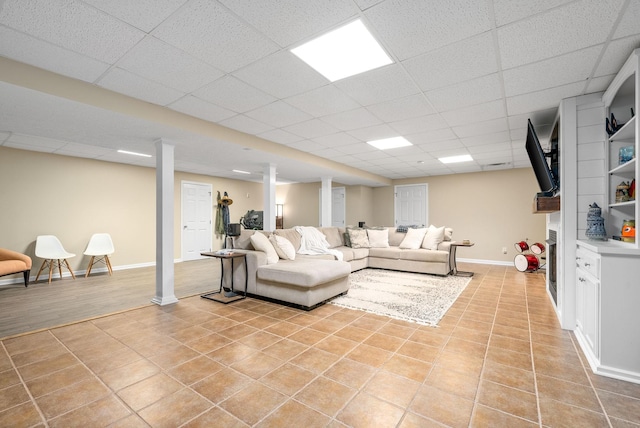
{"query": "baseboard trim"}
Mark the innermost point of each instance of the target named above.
(485, 262)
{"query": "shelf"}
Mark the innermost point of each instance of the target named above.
(544, 205)
(627, 168)
(626, 133)
(623, 204)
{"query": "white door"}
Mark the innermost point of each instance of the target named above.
(196, 219)
(338, 206)
(411, 205)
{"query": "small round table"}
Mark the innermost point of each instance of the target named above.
(452, 258)
(218, 295)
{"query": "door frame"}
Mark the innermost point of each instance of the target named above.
(425, 201)
(182, 212)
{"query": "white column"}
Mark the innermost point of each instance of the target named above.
(164, 225)
(269, 188)
(325, 220)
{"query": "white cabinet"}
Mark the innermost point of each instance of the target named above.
(622, 99)
(607, 303)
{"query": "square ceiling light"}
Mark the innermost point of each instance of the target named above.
(390, 143)
(456, 159)
(343, 52)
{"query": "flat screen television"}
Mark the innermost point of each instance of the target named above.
(546, 180)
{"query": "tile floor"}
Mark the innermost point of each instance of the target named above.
(498, 358)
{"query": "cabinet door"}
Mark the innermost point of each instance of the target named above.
(588, 310)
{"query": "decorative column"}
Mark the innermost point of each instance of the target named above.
(269, 188)
(164, 224)
(325, 220)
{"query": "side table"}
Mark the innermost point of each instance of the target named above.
(452, 258)
(218, 296)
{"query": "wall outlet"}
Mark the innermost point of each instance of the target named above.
(504, 250)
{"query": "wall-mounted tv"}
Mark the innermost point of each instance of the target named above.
(548, 183)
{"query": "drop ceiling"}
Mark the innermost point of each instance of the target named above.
(217, 80)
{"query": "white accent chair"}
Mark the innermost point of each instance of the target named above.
(49, 248)
(100, 247)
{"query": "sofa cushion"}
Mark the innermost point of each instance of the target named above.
(333, 236)
(421, 255)
(378, 238)
(12, 266)
(261, 243)
(304, 273)
(413, 239)
(358, 238)
(433, 237)
(283, 247)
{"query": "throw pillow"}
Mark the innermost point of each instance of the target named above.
(283, 247)
(413, 239)
(434, 236)
(261, 243)
(448, 233)
(358, 238)
(404, 228)
(378, 238)
(347, 241)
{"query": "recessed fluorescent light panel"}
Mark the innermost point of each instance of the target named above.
(390, 143)
(126, 152)
(344, 52)
(240, 171)
(456, 159)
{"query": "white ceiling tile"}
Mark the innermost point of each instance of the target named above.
(503, 148)
(354, 119)
(481, 140)
(246, 124)
(477, 113)
(542, 100)
(436, 148)
(616, 54)
(419, 124)
(356, 148)
(464, 60)
(336, 140)
(376, 132)
(431, 136)
(231, 93)
(279, 136)
(411, 27)
(197, 107)
(402, 108)
(568, 28)
(561, 70)
(472, 92)
(507, 11)
(629, 24)
(599, 84)
(366, 4)
(83, 150)
(143, 14)
(4, 136)
(323, 101)
(379, 85)
(327, 152)
(304, 145)
(305, 18)
(72, 25)
(215, 36)
(282, 75)
(165, 64)
(481, 128)
(278, 114)
(43, 143)
(311, 129)
(130, 84)
(41, 54)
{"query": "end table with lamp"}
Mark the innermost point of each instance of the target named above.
(452, 257)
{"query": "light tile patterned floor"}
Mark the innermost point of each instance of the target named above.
(498, 358)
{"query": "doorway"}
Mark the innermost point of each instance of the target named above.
(411, 205)
(196, 219)
(338, 206)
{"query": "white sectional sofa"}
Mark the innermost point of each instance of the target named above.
(311, 280)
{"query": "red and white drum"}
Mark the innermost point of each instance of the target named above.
(537, 248)
(521, 246)
(526, 262)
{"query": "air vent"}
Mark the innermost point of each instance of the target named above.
(497, 165)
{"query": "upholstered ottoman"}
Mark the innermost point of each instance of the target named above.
(305, 284)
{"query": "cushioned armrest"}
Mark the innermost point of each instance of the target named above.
(445, 246)
(14, 255)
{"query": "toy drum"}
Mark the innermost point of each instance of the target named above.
(521, 246)
(526, 262)
(537, 248)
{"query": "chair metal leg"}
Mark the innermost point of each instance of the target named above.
(26, 277)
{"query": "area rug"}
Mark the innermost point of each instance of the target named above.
(415, 297)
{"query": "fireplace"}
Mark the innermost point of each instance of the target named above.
(552, 263)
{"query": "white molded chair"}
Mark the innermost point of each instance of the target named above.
(100, 247)
(49, 248)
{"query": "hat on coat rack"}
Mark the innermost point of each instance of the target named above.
(226, 199)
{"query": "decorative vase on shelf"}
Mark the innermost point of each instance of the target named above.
(595, 224)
